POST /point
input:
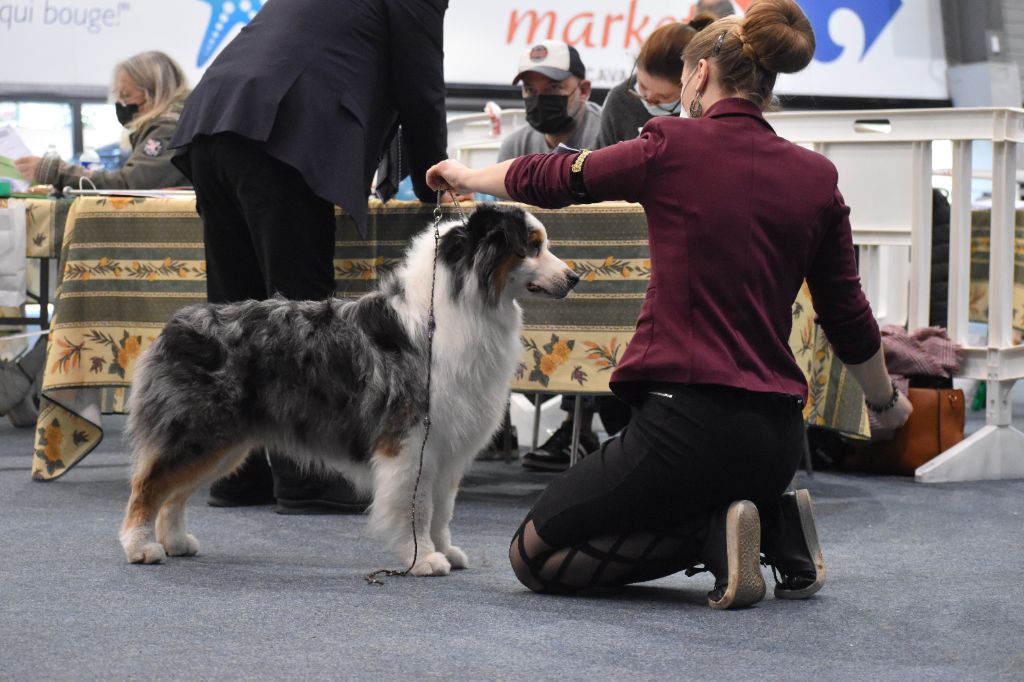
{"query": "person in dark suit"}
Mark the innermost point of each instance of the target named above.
(290, 120)
(738, 218)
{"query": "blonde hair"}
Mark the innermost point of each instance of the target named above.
(773, 37)
(160, 78)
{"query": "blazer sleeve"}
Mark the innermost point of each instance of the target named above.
(416, 73)
(614, 173)
(834, 281)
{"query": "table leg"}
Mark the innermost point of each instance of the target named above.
(537, 402)
(507, 435)
(577, 416)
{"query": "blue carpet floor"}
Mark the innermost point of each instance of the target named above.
(925, 583)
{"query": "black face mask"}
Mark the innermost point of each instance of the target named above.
(548, 113)
(126, 113)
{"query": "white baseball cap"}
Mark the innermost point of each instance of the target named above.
(551, 58)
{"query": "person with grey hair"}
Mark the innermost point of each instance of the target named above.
(720, 8)
(149, 91)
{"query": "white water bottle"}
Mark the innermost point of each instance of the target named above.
(90, 160)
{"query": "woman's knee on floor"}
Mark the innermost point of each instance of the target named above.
(525, 552)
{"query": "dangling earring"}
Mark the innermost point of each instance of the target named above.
(696, 106)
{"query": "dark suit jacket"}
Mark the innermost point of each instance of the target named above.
(324, 83)
(737, 219)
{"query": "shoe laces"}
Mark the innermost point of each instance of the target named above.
(776, 574)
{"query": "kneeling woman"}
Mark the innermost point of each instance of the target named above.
(149, 90)
(737, 218)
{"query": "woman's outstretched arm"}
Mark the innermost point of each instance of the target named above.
(450, 174)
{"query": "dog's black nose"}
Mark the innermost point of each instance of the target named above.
(572, 278)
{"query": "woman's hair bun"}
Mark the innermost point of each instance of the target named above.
(779, 35)
(702, 20)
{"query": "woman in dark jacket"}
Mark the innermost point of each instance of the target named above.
(738, 218)
(149, 91)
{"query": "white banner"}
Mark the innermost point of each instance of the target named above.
(866, 48)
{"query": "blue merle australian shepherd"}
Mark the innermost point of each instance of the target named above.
(343, 383)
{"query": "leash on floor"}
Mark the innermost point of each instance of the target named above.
(374, 578)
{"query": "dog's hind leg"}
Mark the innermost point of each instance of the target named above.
(155, 482)
(445, 490)
(394, 476)
(171, 527)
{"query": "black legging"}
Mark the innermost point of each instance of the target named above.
(638, 508)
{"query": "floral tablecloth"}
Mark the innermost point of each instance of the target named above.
(44, 224)
(128, 264)
(981, 233)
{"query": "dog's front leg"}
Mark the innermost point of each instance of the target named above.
(445, 490)
(394, 478)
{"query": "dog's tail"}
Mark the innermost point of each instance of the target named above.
(164, 375)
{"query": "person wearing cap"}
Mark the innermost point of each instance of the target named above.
(556, 94)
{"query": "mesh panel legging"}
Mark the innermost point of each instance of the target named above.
(638, 508)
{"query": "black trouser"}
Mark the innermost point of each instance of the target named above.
(638, 508)
(266, 233)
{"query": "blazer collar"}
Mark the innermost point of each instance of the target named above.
(736, 106)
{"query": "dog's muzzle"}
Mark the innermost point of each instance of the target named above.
(558, 289)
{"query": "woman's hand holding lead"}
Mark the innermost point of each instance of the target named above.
(449, 174)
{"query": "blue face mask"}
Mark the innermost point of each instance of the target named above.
(669, 109)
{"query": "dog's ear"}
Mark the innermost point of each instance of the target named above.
(502, 228)
(482, 221)
(515, 231)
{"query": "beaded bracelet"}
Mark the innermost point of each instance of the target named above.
(879, 409)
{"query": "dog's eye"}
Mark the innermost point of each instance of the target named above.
(534, 250)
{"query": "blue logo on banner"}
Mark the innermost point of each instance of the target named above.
(875, 15)
(225, 16)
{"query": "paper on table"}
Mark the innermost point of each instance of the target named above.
(12, 147)
(11, 144)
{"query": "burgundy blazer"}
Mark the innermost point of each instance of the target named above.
(737, 218)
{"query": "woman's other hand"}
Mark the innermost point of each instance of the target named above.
(28, 166)
(884, 424)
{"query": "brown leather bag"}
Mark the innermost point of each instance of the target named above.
(937, 424)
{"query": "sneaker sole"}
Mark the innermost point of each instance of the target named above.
(806, 510)
(743, 545)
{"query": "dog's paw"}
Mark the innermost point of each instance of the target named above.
(185, 545)
(456, 557)
(149, 553)
(434, 563)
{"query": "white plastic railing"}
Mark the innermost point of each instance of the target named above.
(470, 139)
(885, 169)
